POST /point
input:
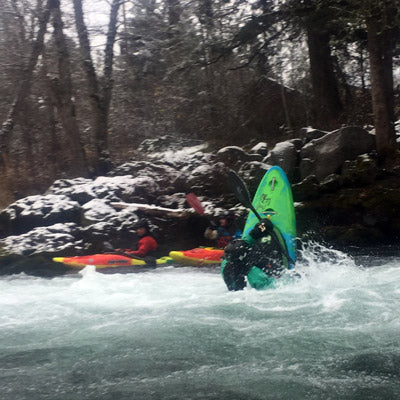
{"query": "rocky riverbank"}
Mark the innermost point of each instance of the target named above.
(342, 197)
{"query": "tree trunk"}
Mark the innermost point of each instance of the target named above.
(62, 92)
(380, 49)
(99, 98)
(17, 107)
(328, 105)
(25, 84)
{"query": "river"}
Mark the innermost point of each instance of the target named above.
(177, 333)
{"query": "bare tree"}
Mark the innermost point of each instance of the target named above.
(62, 92)
(25, 84)
(99, 90)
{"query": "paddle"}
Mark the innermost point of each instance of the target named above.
(195, 203)
(239, 189)
(241, 192)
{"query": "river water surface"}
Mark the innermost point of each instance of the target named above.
(177, 333)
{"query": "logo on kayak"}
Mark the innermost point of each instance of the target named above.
(119, 262)
(265, 200)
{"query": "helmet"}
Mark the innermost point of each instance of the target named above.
(230, 215)
(141, 223)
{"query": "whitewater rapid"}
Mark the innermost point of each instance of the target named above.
(177, 333)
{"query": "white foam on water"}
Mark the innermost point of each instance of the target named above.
(335, 330)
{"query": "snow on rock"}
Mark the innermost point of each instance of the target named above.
(77, 189)
(260, 148)
(117, 229)
(209, 179)
(183, 159)
(175, 200)
(164, 175)
(50, 239)
(32, 211)
(285, 155)
(234, 156)
(98, 210)
(326, 155)
(112, 188)
(167, 142)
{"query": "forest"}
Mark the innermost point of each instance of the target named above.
(223, 71)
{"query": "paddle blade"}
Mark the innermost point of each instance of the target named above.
(239, 189)
(241, 192)
(195, 203)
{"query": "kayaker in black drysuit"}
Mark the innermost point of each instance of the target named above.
(264, 248)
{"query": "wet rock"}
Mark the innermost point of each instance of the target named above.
(362, 171)
(328, 153)
(36, 265)
(306, 189)
(331, 183)
(355, 234)
(252, 172)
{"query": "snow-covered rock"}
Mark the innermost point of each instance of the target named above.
(50, 239)
(327, 154)
(98, 210)
(260, 148)
(33, 211)
(285, 155)
(234, 156)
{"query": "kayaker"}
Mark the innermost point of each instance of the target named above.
(263, 248)
(226, 231)
(146, 244)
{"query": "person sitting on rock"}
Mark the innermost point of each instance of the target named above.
(264, 249)
(225, 232)
(146, 244)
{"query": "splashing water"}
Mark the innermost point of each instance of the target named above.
(177, 333)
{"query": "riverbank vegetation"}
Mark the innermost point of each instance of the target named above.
(225, 72)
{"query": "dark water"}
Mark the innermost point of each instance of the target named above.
(177, 333)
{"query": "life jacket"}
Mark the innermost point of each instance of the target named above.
(146, 244)
(224, 236)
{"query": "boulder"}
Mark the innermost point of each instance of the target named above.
(310, 133)
(234, 156)
(306, 189)
(285, 155)
(52, 239)
(76, 189)
(164, 176)
(326, 155)
(331, 183)
(260, 148)
(35, 211)
(166, 142)
(362, 171)
(252, 172)
(209, 180)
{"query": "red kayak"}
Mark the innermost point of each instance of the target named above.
(198, 256)
(106, 261)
